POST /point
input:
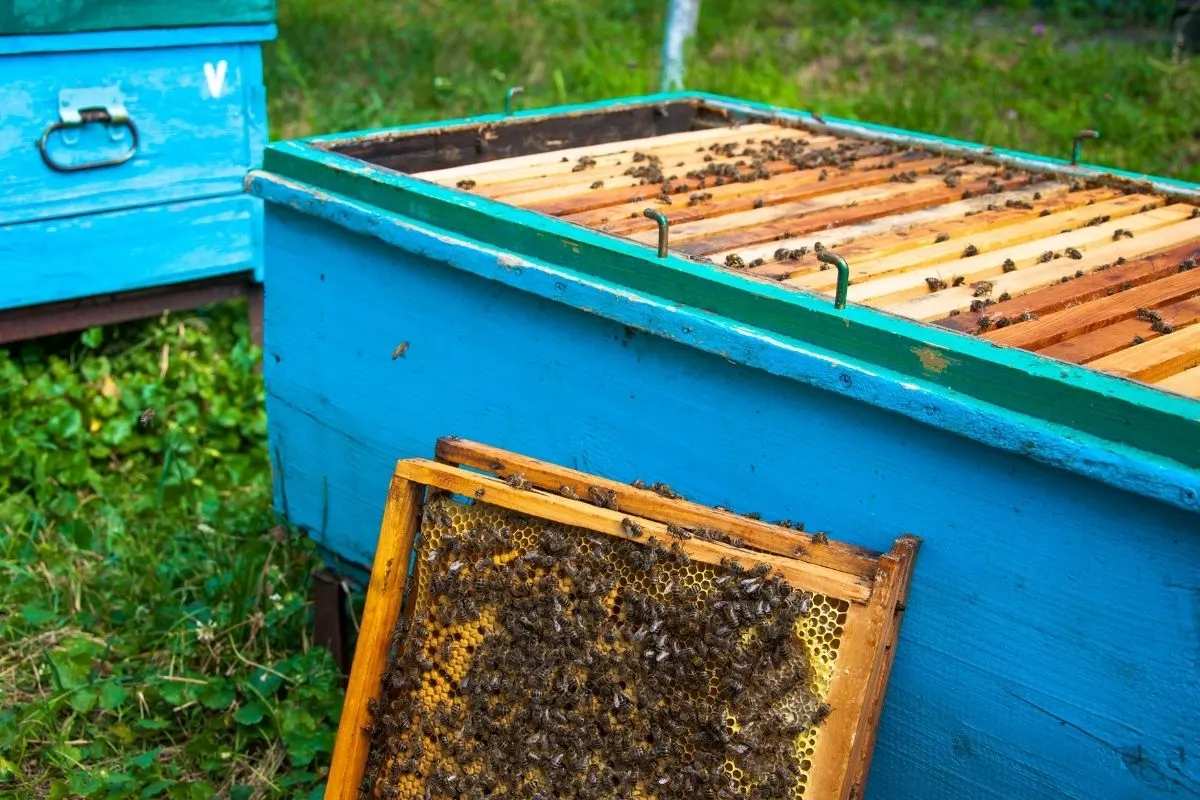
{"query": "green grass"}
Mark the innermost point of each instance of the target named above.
(153, 614)
(954, 71)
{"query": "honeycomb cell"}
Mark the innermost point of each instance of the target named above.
(533, 629)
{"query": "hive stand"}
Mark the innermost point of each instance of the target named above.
(874, 586)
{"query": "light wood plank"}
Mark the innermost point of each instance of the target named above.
(911, 283)
(940, 304)
(1003, 227)
(635, 193)
(482, 171)
(1119, 335)
(1045, 331)
(898, 232)
(385, 594)
(1186, 382)
(1006, 236)
(1157, 359)
(761, 194)
(562, 180)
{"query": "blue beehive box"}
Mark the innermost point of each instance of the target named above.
(128, 129)
(1013, 379)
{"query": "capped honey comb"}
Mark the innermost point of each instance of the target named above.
(566, 636)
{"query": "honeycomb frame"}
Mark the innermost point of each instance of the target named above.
(868, 588)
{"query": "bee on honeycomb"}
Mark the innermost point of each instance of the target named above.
(543, 661)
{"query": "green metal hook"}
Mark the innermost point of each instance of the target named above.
(661, 219)
(843, 271)
(508, 99)
(1077, 149)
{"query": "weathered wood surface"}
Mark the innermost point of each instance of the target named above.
(1017, 675)
(192, 144)
(129, 249)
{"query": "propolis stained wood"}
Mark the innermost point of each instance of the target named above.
(1053, 497)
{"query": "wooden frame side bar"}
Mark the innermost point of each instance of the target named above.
(385, 594)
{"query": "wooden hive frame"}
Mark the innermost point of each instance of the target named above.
(965, 244)
(874, 586)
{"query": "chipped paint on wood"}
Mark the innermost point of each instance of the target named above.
(933, 362)
(852, 378)
(1125, 413)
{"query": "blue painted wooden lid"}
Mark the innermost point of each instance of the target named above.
(27, 17)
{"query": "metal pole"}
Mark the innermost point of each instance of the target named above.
(682, 18)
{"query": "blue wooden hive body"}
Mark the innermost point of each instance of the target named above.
(1052, 640)
(128, 129)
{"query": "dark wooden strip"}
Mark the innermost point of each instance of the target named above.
(1077, 320)
(1081, 290)
(1120, 335)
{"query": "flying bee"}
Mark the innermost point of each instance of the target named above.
(147, 417)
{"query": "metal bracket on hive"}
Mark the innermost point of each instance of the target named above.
(843, 273)
(663, 229)
(1077, 147)
(512, 92)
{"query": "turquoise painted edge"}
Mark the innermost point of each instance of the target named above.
(140, 39)
(1177, 435)
(1116, 465)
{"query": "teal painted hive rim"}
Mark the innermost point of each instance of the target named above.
(148, 39)
(72, 16)
(1104, 406)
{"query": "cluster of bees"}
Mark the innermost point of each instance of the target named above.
(546, 662)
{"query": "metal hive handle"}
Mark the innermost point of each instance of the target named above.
(85, 117)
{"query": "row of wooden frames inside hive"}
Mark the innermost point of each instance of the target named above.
(532, 631)
(1094, 271)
